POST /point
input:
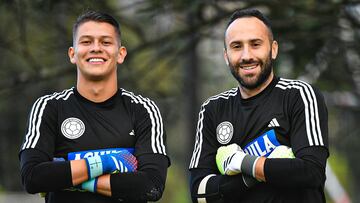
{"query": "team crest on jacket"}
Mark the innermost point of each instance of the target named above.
(72, 128)
(224, 132)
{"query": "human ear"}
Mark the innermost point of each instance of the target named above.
(121, 55)
(226, 57)
(274, 49)
(71, 54)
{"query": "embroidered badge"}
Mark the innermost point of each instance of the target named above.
(72, 128)
(224, 132)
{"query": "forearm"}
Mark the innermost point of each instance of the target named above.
(299, 173)
(103, 185)
(212, 187)
(306, 171)
(147, 183)
(40, 175)
(140, 186)
(259, 169)
(79, 171)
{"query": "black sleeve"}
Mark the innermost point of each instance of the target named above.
(40, 174)
(305, 171)
(147, 183)
(308, 119)
(206, 144)
(149, 128)
(218, 188)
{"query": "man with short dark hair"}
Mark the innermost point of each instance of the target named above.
(265, 141)
(95, 142)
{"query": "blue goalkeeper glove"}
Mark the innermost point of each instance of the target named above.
(110, 163)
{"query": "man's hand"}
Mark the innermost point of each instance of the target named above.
(111, 163)
(229, 159)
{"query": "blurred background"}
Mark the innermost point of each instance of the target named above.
(175, 57)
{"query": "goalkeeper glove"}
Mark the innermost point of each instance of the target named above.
(109, 163)
(232, 160)
(282, 151)
(121, 162)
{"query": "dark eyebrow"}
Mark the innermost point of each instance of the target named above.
(235, 42)
(90, 36)
(251, 40)
(84, 36)
(256, 40)
(107, 37)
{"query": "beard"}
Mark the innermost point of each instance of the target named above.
(247, 82)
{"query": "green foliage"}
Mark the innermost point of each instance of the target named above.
(340, 166)
(177, 186)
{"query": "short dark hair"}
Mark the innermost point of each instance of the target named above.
(96, 16)
(242, 13)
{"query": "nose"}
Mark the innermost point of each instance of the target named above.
(96, 47)
(246, 54)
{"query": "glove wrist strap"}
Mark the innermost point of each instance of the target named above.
(248, 165)
(90, 185)
(94, 166)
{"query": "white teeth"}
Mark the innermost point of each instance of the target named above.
(96, 60)
(249, 67)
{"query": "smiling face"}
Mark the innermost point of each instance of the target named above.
(249, 51)
(96, 51)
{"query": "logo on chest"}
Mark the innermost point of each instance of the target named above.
(224, 132)
(72, 128)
